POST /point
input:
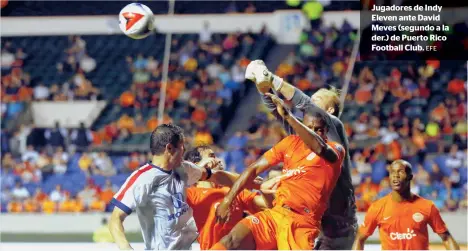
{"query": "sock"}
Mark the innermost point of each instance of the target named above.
(218, 246)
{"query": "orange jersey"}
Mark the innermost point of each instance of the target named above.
(204, 202)
(309, 179)
(403, 225)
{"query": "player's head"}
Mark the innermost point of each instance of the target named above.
(200, 153)
(168, 140)
(317, 123)
(401, 174)
(328, 100)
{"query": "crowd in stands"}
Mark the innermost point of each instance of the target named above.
(205, 76)
(17, 85)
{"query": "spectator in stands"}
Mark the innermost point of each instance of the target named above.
(232, 7)
(19, 192)
(454, 159)
(15, 143)
(60, 161)
(5, 195)
(15, 206)
(456, 86)
(250, 8)
(7, 59)
(8, 162)
(87, 64)
(107, 192)
(97, 205)
(126, 122)
(236, 154)
(384, 188)
(57, 136)
(199, 115)
(140, 125)
(203, 137)
(82, 137)
(133, 163)
(57, 195)
(39, 196)
(30, 206)
(30, 155)
(140, 63)
(87, 195)
(214, 69)
(205, 33)
(41, 92)
(104, 165)
(438, 199)
(367, 192)
(85, 162)
(363, 167)
(49, 206)
(355, 177)
(67, 205)
(77, 49)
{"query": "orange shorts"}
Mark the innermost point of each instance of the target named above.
(280, 229)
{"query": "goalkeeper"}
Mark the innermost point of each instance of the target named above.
(339, 223)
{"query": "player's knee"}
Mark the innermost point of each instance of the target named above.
(231, 241)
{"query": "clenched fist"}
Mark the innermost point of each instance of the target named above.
(258, 72)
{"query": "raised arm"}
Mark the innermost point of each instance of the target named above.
(247, 176)
(228, 179)
(310, 138)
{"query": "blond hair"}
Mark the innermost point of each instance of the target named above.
(333, 98)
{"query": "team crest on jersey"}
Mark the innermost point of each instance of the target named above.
(418, 217)
(178, 200)
(311, 156)
(339, 148)
(254, 219)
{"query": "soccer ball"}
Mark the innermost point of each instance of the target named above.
(136, 20)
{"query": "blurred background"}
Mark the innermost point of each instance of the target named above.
(79, 100)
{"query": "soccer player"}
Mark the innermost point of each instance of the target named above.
(402, 217)
(339, 222)
(206, 196)
(312, 166)
(157, 192)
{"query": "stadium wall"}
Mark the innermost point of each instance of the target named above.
(68, 114)
(82, 224)
(285, 25)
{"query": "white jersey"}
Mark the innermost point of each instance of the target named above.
(159, 199)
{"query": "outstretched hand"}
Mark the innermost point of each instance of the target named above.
(280, 105)
(257, 72)
(211, 163)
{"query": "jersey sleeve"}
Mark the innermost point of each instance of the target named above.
(190, 172)
(340, 151)
(246, 198)
(369, 225)
(436, 222)
(193, 196)
(130, 196)
(276, 154)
